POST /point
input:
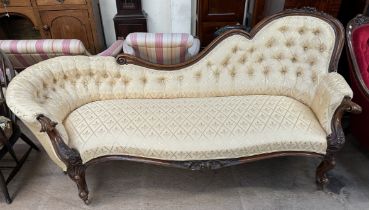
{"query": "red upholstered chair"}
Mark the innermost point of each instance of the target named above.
(357, 34)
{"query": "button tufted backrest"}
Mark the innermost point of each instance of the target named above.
(288, 56)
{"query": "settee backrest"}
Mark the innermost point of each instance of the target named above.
(285, 55)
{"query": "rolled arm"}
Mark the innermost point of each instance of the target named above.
(115, 49)
(332, 90)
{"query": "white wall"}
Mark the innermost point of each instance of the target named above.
(158, 12)
(166, 16)
(108, 10)
(181, 16)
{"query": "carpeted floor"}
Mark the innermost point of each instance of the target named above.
(282, 183)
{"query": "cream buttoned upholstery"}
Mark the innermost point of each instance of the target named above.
(289, 57)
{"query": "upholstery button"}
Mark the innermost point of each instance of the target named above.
(266, 70)
(180, 78)
(91, 74)
(305, 46)
(314, 78)
(260, 59)
(198, 75)
(85, 83)
(232, 72)
(105, 76)
(126, 81)
(312, 61)
(298, 74)
(243, 59)
(55, 81)
(143, 80)
(78, 75)
(65, 77)
(294, 59)
(302, 30)
(270, 43)
(316, 31)
(235, 49)
(250, 72)
(161, 80)
(283, 29)
(225, 61)
(209, 64)
(322, 48)
(251, 49)
(284, 70)
(290, 43)
(278, 56)
(117, 75)
(216, 73)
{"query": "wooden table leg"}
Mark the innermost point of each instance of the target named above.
(4, 188)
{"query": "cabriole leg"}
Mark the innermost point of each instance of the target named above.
(328, 163)
(78, 175)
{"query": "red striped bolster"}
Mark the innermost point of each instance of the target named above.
(134, 44)
(114, 49)
(19, 57)
(159, 48)
(66, 47)
(183, 47)
(40, 49)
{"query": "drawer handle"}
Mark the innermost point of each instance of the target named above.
(5, 2)
(46, 28)
(61, 1)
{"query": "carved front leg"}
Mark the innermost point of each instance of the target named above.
(335, 141)
(77, 174)
(70, 157)
(328, 163)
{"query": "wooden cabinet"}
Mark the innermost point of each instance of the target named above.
(263, 8)
(57, 19)
(17, 3)
(130, 18)
(214, 14)
(331, 7)
(56, 2)
(68, 24)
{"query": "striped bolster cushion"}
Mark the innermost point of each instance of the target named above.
(24, 53)
(114, 49)
(161, 48)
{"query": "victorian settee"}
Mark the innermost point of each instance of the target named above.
(248, 96)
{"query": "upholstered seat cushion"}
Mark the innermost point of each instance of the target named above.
(194, 128)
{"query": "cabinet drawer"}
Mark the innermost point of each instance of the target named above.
(59, 2)
(17, 3)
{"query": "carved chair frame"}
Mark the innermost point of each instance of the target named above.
(76, 169)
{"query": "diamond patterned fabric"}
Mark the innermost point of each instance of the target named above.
(195, 128)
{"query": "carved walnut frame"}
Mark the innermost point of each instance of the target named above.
(76, 168)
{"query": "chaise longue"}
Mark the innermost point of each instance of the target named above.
(248, 96)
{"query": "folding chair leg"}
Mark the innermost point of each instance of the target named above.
(29, 142)
(4, 188)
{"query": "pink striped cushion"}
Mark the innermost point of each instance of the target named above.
(24, 53)
(114, 49)
(161, 48)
